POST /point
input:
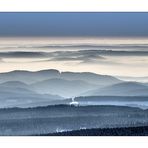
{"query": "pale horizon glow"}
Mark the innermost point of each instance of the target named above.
(135, 65)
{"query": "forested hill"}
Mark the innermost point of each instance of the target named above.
(125, 131)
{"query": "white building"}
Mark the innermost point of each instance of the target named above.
(74, 103)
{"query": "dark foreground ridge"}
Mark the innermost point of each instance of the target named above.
(125, 131)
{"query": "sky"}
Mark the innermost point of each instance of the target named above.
(74, 24)
(103, 43)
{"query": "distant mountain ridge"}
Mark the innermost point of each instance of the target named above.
(32, 77)
(137, 79)
(28, 76)
(120, 89)
(51, 81)
(15, 93)
(14, 84)
(25, 88)
(62, 87)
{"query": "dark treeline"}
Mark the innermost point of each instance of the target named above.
(126, 131)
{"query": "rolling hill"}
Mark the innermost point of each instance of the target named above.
(58, 118)
(120, 89)
(15, 93)
(32, 77)
(65, 88)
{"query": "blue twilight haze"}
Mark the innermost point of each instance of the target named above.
(74, 24)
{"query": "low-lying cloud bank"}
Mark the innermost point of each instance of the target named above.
(82, 56)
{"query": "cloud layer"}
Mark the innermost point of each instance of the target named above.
(79, 56)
